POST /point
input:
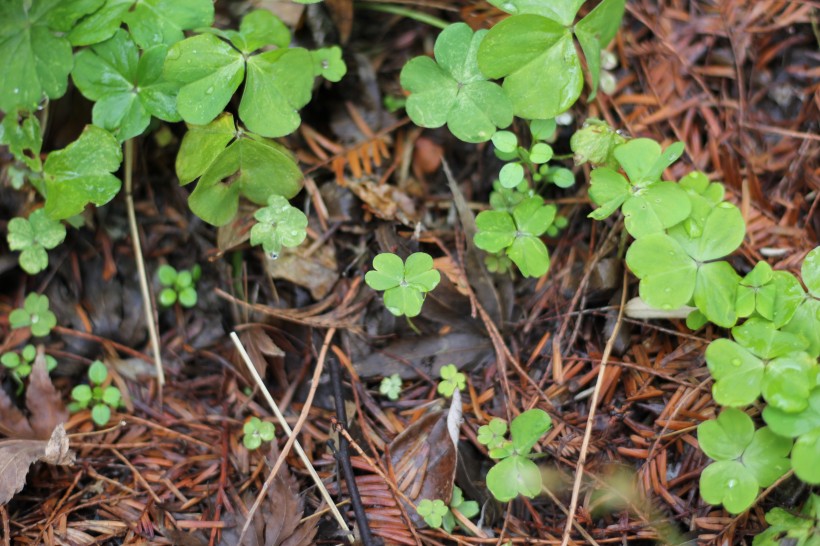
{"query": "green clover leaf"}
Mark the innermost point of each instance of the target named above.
(20, 131)
(100, 414)
(35, 314)
(97, 372)
(452, 90)
(82, 395)
(391, 386)
(594, 32)
(451, 379)
(210, 70)
(806, 323)
(80, 173)
(279, 224)
(788, 297)
(328, 63)
(788, 528)
(37, 57)
(404, 283)
(127, 88)
(158, 22)
(505, 141)
(791, 424)
(810, 271)
(703, 196)
(467, 508)
(492, 434)
(745, 460)
(432, 511)
(257, 431)
(33, 236)
(805, 454)
(562, 12)
(512, 476)
(527, 428)
(519, 234)
(228, 163)
(757, 292)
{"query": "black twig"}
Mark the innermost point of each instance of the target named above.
(343, 456)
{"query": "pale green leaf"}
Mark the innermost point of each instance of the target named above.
(154, 22)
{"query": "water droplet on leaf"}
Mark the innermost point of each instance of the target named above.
(209, 91)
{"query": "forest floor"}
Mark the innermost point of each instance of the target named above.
(736, 81)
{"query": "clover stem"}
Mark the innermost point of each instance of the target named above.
(148, 305)
(412, 326)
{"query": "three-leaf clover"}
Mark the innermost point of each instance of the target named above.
(452, 90)
(20, 131)
(404, 283)
(20, 364)
(757, 292)
(801, 529)
(761, 360)
(210, 67)
(535, 54)
(745, 459)
(80, 173)
(492, 434)
(328, 63)
(230, 163)
(278, 224)
(515, 473)
(649, 205)
(178, 285)
(391, 386)
(518, 233)
(674, 268)
(451, 379)
(101, 399)
(466, 508)
(433, 511)
(127, 88)
(35, 314)
(32, 237)
(794, 424)
(257, 431)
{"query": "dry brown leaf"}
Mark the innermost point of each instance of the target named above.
(43, 402)
(385, 201)
(16, 456)
(316, 271)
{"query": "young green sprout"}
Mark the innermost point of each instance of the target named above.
(451, 379)
(391, 386)
(33, 236)
(178, 286)
(257, 431)
(35, 314)
(405, 284)
(19, 364)
(101, 399)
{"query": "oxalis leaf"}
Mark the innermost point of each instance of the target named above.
(792, 425)
(404, 283)
(230, 163)
(36, 56)
(810, 271)
(21, 133)
(453, 90)
(33, 236)
(127, 89)
(80, 173)
(513, 475)
(210, 70)
(746, 460)
(279, 224)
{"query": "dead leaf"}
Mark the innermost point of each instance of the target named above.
(16, 456)
(43, 402)
(277, 522)
(424, 457)
(259, 346)
(316, 271)
(385, 201)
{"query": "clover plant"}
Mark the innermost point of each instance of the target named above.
(178, 286)
(794, 529)
(433, 512)
(391, 386)
(451, 379)
(405, 284)
(34, 314)
(278, 224)
(102, 399)
(20, 131)
(533, 159)
(257, 431)
(745, 459)
(20, 364)
(33, 236)
(518, 234)
(595, 143)
(514, 473)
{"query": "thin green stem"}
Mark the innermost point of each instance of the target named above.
(405, 12)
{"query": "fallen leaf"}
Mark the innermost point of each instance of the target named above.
(317, 271)
(16, 456)
(385, 201)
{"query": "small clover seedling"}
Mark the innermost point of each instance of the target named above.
(433, 512)
(745, 460)
(328, 63)
(801, 529)
(757, 292)
(178, 286)
(649, 205)
(493, 433)
(35, 314)
(515, 473)
(518, 233)
(452, 90)
(761, 360)
(101, 399)
(805, 454)
(451, 379)
(33, 236)
(257, 431)
(19, 364)
(466, 508)
(404, 283)
(279, 224)
(391, 386)
(794, 424)
(20, 131)
(595, 143)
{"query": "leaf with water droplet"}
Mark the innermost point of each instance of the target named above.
(160, 22)
(737, 372)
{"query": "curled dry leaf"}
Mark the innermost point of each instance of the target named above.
(385, 201)
(16, 456)
(318, 271)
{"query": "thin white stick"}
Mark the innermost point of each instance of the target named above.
(296, 446)
(135, 239)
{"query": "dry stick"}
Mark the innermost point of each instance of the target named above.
(135, 239)
(579, 469)
(317, 373)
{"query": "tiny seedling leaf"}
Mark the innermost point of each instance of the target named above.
(514, 475)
